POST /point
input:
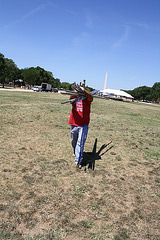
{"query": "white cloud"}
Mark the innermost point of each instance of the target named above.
(123, 38)
(30, 13)
(61, 9)
(142, 25)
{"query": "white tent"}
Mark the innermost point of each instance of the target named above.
(115, 93)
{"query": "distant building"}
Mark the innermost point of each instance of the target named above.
(19, 82)
(116, 93)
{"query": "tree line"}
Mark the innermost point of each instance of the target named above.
(143, 93)
(33, 76)
(9, 72)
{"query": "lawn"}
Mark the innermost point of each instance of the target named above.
(43, 195)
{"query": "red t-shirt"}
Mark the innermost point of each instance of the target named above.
(80, 114)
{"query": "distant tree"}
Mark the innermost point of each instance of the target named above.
(144, 91)
(30, 76)
(12, 71)
(2, 69)
(156, 86)
(66, 85)
(147, 93)
(9, 71)
(156, 92)
(55, 82)
(35, 76)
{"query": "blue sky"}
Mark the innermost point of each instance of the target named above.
(84, 39)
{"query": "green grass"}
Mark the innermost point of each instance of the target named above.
(43, 196)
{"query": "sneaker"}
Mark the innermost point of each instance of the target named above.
(80, 166)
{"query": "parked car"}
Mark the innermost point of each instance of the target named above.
(54, 89)
(37, 88)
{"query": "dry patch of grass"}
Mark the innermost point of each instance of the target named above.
(43, 196)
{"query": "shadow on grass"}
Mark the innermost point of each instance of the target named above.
(89, 158)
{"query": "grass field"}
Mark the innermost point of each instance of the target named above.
(44, 197)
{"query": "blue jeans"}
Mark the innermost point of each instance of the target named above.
(78, 138)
